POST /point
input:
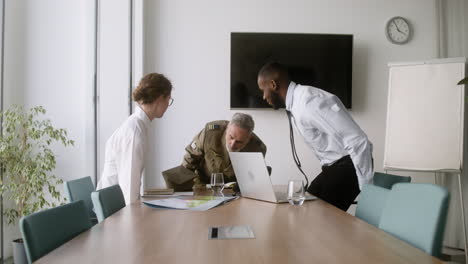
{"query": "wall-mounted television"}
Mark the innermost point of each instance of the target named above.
(320, 60)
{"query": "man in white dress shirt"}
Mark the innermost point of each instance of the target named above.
(343, 149)
(126, 148)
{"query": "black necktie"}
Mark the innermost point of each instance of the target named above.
(293, 149)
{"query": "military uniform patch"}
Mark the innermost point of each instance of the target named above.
(213, 127)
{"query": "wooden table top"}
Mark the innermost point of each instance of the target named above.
(313, 233)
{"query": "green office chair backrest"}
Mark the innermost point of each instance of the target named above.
(372, 200)
(81, 189)
(46, 230)
(107, 201)
(385, 180)
(416, 213)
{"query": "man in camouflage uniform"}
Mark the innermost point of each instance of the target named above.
(208, 152)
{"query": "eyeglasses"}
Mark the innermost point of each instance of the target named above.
(171, 101)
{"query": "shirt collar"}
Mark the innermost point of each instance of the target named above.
(140, 114)
(290, 95)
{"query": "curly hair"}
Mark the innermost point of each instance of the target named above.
(151, 87)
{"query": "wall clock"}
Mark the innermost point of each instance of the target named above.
(398, 30)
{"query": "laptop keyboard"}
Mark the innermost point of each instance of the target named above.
(280, 196)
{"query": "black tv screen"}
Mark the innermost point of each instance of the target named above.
(320, 60)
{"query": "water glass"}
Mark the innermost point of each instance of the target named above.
(296, 195)
(217, 183)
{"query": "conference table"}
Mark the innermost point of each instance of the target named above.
(315, 232)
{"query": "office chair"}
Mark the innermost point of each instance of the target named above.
(107, 201)
(46, 230)
(372, 200)
(81, 189)
(385, 180)
(416, 214)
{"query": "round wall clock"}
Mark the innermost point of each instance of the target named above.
(398, 30)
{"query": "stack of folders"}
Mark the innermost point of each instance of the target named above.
(158, 191)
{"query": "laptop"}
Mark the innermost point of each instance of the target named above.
(254, 181)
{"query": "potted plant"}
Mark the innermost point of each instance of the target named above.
(27, 162)
(464, 81)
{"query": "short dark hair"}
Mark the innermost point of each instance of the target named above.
(273, 68)
(151, 87)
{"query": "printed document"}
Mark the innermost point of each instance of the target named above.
(194, 203)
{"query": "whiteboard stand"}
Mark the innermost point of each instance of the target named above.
(460, 189)
(426, 128)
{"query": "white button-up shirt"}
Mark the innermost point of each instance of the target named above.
(321, 118)
(125, 154)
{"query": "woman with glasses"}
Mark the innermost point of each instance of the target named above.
(126, 148)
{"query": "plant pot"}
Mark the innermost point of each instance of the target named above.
(19, 254)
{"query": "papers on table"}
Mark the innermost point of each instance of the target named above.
(175, 194)
(194, 203)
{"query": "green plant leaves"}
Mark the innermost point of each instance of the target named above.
(464, 81)
(27, 160)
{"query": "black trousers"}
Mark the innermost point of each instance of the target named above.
(337, 184)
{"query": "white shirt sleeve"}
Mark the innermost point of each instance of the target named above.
(332, 118)
(131, 166)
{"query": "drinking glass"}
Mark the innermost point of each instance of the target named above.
(296, 195)
(217, 183)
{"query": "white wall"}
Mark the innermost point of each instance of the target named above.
(48, 62)
(14, 62)
(114, 70)
(189, 41)
(58, 73)
(116, 65)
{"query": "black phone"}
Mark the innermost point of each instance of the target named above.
(230, 232)
(213, 233)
